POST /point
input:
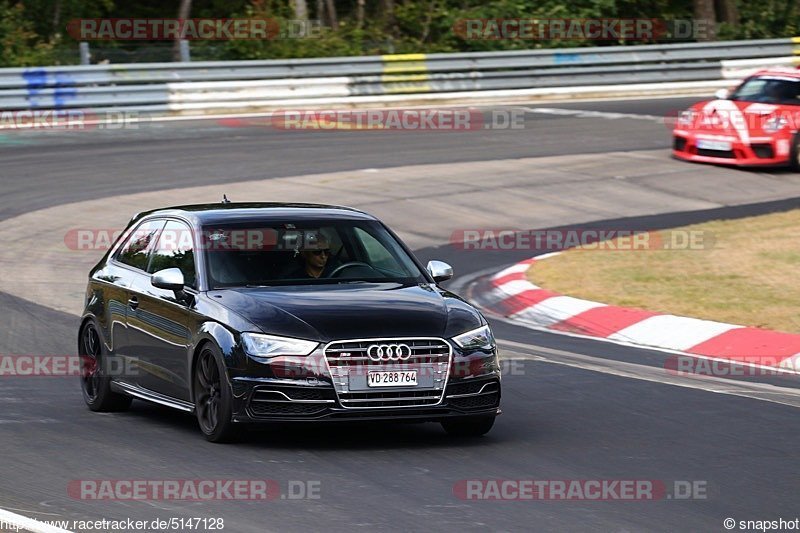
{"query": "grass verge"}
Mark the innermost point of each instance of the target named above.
(746, 272)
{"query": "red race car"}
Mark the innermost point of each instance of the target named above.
(755, 125)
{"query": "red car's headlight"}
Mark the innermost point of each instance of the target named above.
(774, 124)
(687, 118)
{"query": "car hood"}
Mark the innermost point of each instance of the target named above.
(735, 119)
(368, 310)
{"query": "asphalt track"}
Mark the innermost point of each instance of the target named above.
(562, 420)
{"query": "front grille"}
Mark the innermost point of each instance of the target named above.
(679, 143)
(764, 151)
(349, 366)
(726, 154)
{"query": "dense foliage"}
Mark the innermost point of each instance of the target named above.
(32, 32)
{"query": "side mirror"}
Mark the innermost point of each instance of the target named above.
(722, 94)
(170, 279)
(439, 270)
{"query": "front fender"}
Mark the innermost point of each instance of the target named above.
(225, 339)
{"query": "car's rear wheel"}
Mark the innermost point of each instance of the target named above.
(95, 383)
(212, 397)
(468, 426)
(794, 153)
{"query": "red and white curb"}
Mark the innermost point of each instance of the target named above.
(510, 294)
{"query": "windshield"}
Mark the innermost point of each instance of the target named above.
(769, 90)
(300, 253)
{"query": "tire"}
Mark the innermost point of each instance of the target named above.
(95, 384)
(794, 153)
(213, 400)
(468, 426)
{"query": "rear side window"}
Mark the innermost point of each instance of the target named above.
(175, 249)
(136, 250)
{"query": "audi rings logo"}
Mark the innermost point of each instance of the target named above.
(389, 352)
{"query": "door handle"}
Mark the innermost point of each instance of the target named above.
(133, 302)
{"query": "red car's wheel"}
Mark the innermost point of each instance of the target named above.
(794, 153)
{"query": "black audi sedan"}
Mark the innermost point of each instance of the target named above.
(259, 312)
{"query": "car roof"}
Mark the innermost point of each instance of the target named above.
(779, 71)
(234, 212)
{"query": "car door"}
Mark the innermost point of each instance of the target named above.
(127, 264)
(158, 328)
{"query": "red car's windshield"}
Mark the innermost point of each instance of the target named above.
(769, 90)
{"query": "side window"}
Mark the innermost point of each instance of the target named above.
(136, 250)
(175, 249)
(377, 254)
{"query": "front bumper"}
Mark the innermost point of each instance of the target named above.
(759, 152)
(303, 390)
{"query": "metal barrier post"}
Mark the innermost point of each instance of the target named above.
(86, 56)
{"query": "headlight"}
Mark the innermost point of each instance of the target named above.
(270, 346)
(686, 118)
(774, 124)
(476, 339)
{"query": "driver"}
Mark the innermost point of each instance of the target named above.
(773, 92)
(314, 260)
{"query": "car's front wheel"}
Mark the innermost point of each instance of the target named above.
(95, 382)
(794, 153)
(213, 399)
(468, 426)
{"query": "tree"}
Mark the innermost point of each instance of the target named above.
(332, 17)
(184, 11)
(727, 11)
(300, 9)
(360, 14)
(704, 10)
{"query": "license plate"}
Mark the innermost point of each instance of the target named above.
(722, 146)
(394, 378)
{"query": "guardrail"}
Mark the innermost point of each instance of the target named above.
(249, 85)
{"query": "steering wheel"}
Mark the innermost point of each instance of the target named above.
(348, 265)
